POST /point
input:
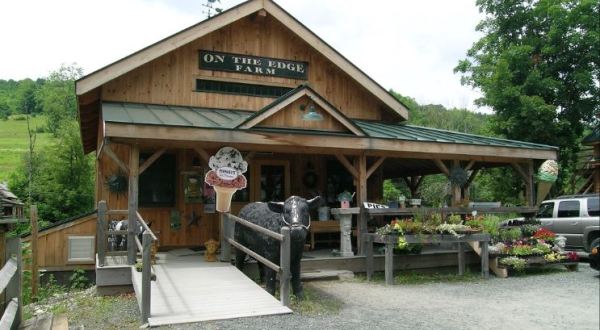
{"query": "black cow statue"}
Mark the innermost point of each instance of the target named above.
(294, 213)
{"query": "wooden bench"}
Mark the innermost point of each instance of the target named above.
(321, 227)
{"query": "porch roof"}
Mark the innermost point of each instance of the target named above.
(185, 116)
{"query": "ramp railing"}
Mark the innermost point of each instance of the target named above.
(10, 285)
(283, 269)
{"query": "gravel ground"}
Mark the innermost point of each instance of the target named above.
(561, 300)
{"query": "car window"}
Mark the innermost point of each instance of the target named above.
(545, 210)
(593, 206)
(568, 209)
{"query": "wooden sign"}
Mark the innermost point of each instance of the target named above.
(247, 64)
(369, 205)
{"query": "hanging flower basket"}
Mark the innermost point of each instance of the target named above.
(117, 183)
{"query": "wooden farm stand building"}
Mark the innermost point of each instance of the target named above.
(306, 119)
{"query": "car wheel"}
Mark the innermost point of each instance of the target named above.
(595, 243)
(595, 257)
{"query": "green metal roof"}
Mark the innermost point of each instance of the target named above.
(405, 132)
(166, 115)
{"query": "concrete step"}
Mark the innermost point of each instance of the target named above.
(326, 274)
(46, 322)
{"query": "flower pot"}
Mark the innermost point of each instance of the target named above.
(323, 213)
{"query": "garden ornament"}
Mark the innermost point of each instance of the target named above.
(211, 250)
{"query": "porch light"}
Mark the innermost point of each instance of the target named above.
(312, 114)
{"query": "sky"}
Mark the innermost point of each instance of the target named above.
(409, 46)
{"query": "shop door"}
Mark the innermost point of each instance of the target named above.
(272, 180)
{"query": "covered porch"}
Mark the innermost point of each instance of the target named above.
(284, 162)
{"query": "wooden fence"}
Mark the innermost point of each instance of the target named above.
(285, 249)
(134, 244)
(10, 285)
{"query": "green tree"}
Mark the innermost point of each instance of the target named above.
(538, 67)
(57, 96)
(25, 97)
(62, 177)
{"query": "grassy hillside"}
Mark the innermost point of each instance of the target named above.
(14, 141)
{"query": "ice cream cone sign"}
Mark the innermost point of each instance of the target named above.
(226, 175)
(547, 175)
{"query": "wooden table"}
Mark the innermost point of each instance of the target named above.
(319, 227)
(391, 240)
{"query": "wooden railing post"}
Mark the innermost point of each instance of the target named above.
(226, 233)
(284, 276)
(101, 233)
(146, 275)
(35, 274)
(14, 289)
(369, 254)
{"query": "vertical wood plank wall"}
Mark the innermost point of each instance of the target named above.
(170, 79)
(208, 225)
(52, 245)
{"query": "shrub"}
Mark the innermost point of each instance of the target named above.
(78, 280)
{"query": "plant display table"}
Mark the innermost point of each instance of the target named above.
(391, 240)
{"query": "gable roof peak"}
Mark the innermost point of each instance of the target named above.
(214, 23)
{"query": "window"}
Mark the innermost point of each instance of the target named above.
(568, 209)
(224, 87)
(81, 249)
(546, 210)
(593, 206)
(157, 183)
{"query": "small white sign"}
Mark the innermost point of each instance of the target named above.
(227, 173)
(375, 206)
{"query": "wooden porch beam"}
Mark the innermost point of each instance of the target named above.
(151, 160)
(132, 197)
(342, 159)
(250, 155)
(470, 165)
(519, 169)
(440, 164)
(375, 166)
(471, 178)
(203, 154)
(110, 153)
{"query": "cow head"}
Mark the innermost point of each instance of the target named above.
(295, 211)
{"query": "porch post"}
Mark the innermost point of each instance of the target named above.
(456, 191)
(134, 162)
(360, 199)
(529, 185)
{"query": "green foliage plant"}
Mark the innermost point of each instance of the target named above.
(78, 280)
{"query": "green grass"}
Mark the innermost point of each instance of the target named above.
(315, 302)
(412, 278)
(14, 142)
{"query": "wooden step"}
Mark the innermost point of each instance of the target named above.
(499, 271)
(46, 322)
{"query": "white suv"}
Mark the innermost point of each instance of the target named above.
(576, 217)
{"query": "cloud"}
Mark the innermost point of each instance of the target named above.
(409, 46)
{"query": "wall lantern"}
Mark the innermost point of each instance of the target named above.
(311, 114)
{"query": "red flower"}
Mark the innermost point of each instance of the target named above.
(544, 234)
(572, 255)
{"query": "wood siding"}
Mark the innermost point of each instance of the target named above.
(170, 79)
(291, 117)
(53, 247)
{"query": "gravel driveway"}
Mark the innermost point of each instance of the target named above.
(562, 300)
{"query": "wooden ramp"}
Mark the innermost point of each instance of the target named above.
(187, 289)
